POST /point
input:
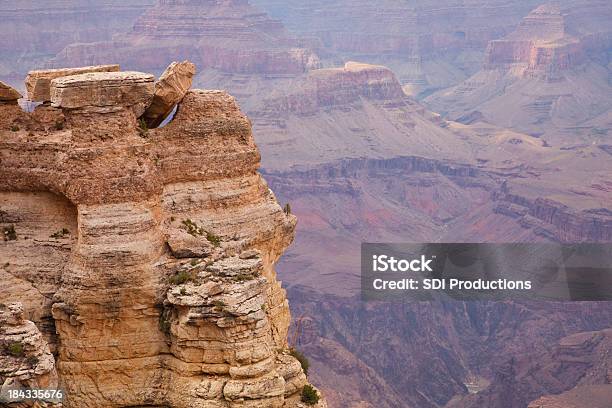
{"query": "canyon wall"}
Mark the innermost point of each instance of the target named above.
(144, 256)
(230, 36)
(35, 30)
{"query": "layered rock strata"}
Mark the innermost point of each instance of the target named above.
(230, 36)
(163, 291)
(38, 83)
(25, 359)
(8, 95)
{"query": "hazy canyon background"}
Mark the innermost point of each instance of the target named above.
(407, 121)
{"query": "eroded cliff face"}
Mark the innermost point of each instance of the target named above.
(549, 77)
(230, 36)
(33, 30)
(146, 256)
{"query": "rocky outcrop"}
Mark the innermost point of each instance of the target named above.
(171, 87)
(25, 359)
(540, 42)
(8, 95)
(162, 290)
(103, 91)
(38, 83)
(334, 87)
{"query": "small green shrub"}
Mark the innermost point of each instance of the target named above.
(213, 239)
(194, 262)
(14, 128)
(218, 303)
(180, 278)
(299, 356)
(15, 349)
(9, 233)
(183, 291)
(59, 124)
(33, 361)
(310, 396)
(287, 209)
(192, 228)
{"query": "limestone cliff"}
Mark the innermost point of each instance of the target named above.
(145, 256)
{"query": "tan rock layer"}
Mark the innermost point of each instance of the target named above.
(201, 321)
(38, 83)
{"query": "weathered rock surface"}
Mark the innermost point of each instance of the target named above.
(8, 94)
(592, 396)
(198, 322)
(38, 83)
(25, 359)
(170, 88)
(104, 90)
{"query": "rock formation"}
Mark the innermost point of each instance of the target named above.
(157, 247)
(38, 83)
(8, 95)
(544, 78)
(594, 396)
(171, 87)
(428, 44)
(36, 30)
(25, 360)
(230, 36)
(578, 362)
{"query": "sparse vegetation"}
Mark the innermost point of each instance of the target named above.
(213, 239)
(180, 278)
(59, 124)
(301, 358)
(15, 349)
(264, 307)
(192, 228)
(9, 233)
(310, 396)
(287, 209)
(218, 303)
(14, 128)
(194, 262)
(60, 234)
(143, 128)
(164, 324)
(33, 361)
(243, 277)
(183, 291)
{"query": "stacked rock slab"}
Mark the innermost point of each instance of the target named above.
(38, 83)
(169, 295)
